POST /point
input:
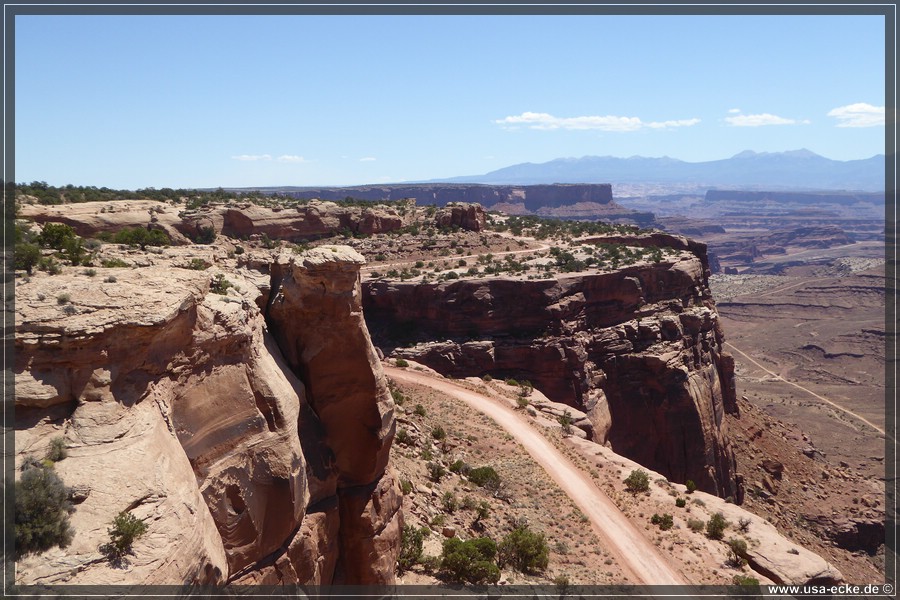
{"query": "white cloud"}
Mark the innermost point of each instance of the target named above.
(546, 121)
(858, 115)
(763, 119)
(252, 157)
(734, 111)
(290, 158)
(367, 159)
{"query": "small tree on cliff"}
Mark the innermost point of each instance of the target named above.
(638, 481)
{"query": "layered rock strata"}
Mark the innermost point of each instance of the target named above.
(177, 405)
(639, 350)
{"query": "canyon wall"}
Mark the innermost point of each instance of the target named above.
(640, 350)
(177, 404)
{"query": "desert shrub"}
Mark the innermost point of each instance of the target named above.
(110, 263)
(522, 402)
(737, 552)
(565, 421)
(27, 257)
(401, 363)
(691, 486)
(419, 410)
(450, 502)
(482, 511)
(459, 466)
(664, 522)
(744, 524)
(139, 236)
(485, 477)
(524, 550)
(695, 525)
(56, 235)
(207, 235)
(57, 450)
(219, 285)
(406, 486)
(715, 527)
(438, 433)
(638, 481)
(90, 272)
(511, 382)
(125, 529)
(403, 437)
(63, 298)
(430, 564)
(110, 279)
(411, 539)
(435, 471)
(680, 502)
(470, 562)
(745, 581)
(42, 511)
(487, 378)
(197, 264)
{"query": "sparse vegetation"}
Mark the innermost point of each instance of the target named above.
(524, 550)
(401, 363)
(57, 450)
(485, 477)
(411, 540)
(680, 502)
(664, 522)
(638, 481)
(691, 486)
(470, 562)
(42, 511)
(737, 552)
(715, 527)
(125, 529)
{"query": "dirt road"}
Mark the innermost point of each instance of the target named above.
(810, 392)
(636, 555)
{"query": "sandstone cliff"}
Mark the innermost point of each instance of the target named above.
(177, 404)
(639, 350)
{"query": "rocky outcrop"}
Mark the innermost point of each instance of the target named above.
(304, 222)
(177, 405)
(639, 350)
(309, 221)
(465, 216)
(91, 218)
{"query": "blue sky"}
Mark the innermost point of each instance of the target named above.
(184, 101)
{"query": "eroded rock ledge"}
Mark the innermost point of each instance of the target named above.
(639, 350)
(177, 404)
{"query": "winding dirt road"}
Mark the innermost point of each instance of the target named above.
(637, 556)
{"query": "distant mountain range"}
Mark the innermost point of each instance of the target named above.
(795, 169)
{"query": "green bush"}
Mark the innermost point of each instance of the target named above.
(680, 502)
(197, 264)
(126, 528)
(450, 502)
(485, 477)
(638, 481)
(220, 285)
(411, 539)
(524, 550)
(565, 421)
(745, 581)
(110, 263)
(460, 467)
(695, 525)
(56, 235)
(57, 450)
(715, 527)
(691, 486)
(139, 236)
(27, 257)
(438, 433)
(737, 552)
(403, 437)
(419, 410)
(42, 511)
(401, 363)
(406, 486)
(435, 471)
(470, 562)
(664, 522)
